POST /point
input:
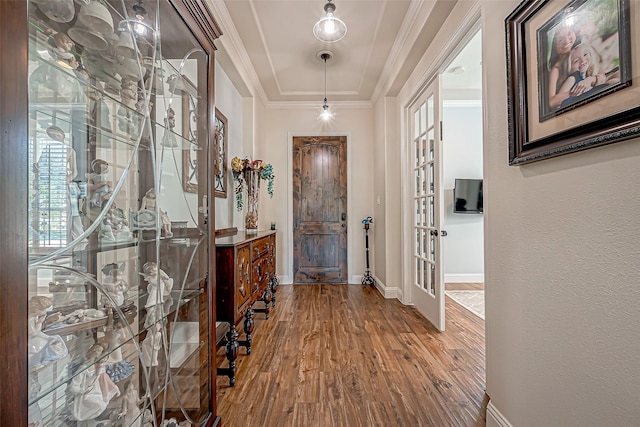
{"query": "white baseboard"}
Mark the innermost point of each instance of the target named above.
(495, 417)
(464, 278)
(356, 280)
(387, 291)
(285, 280)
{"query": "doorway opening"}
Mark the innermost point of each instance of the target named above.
(463, 249)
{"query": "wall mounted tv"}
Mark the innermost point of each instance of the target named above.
(467, 196)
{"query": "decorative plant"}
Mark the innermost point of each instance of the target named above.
(240, 166)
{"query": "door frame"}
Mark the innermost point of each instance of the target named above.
(467, 29)
(351, 225)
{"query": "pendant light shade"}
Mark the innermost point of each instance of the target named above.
(330, 28)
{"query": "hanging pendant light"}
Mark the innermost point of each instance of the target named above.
(330, 28)
(137, 23)
(326, 113)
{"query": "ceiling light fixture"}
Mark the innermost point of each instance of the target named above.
(138, 24)
(326, 113)
(330, 29)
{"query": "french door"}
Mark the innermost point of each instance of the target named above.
(425, 160)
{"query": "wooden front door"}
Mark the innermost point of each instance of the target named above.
(320, 209)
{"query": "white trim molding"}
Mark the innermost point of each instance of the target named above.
(388, 292)
(495, 417)
(464, 278)
(285, 280)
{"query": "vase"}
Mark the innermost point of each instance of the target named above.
(252, 181)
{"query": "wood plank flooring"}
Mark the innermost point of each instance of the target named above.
(343, 356)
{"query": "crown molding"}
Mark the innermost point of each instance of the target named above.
(294, 105)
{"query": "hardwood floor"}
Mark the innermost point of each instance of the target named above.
(464, 286)
(343, 356)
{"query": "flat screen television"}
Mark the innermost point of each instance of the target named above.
(467, 196)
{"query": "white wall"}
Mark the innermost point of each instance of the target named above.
(229, 102)
(462, 158)
(561, 269)
(273, 144)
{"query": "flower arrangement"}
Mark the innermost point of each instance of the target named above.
(241, 169)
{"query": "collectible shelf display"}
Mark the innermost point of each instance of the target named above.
(119, 316)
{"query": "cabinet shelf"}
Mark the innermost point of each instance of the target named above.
(80, 347)
(50, 105)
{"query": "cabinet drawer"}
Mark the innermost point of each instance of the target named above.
(260, 248)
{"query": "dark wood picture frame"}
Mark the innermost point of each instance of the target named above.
(609, 116)
(221, 135)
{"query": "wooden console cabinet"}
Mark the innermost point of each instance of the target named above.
(245, 273)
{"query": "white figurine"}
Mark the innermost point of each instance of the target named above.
(115, 227)
(169, 139)
(131, 407)
(43, 349)
(151, 345)
(105, 235)
(147, 419)
(92, 388)
(149, 203)
(119, 222)
(159, 284)
(114, 283)
(99, 183)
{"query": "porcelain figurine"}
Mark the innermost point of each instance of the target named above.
(151, 345)
(169, 139)
(159, 284)
(114, 284)
(149, 203)
(116, 220)
(61, 45)
(116, 366)
(131, 414)
(43, 349)
(99, 183)
(92, 388)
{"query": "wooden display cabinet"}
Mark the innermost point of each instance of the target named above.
(107, 287)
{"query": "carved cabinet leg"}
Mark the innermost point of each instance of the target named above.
(232, 353)
(248, 328)
(266, 298)
(274, 287)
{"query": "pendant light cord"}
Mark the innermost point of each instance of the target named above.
(325, 79)
(324, 56)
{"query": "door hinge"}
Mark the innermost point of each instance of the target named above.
(441, 130)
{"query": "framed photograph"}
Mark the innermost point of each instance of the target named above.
(570, 71)
(220, 165)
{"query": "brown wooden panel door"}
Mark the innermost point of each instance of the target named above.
(320, 209)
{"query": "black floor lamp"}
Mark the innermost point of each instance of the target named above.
(368, 278)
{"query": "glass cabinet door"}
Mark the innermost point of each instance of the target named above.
(118, 230)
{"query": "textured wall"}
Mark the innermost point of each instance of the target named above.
(562, 275)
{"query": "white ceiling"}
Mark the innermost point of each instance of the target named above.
(268, 48)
